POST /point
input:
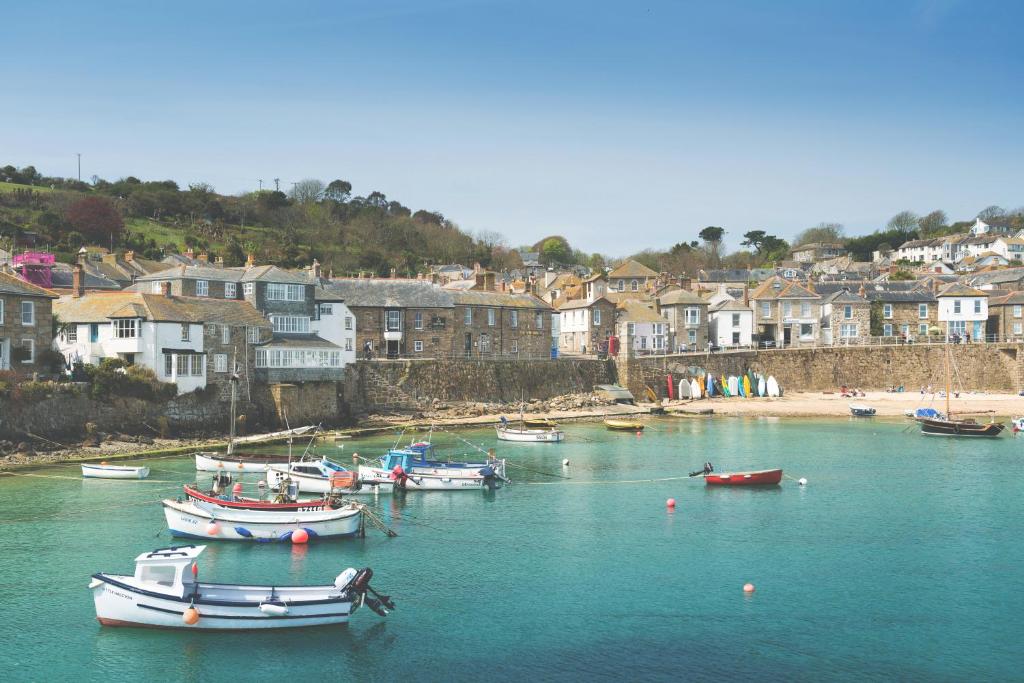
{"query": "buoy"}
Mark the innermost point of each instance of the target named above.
(802, 481)
(639, 433)
(748, 588)
(565, 462)
(190, 616)
(671, 503)
(212, 529)
(195, 570)
(237, 488)
(299, 536)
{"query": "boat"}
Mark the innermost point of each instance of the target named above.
(755, 478)
(624, 425)
(165, 592)
(105, 471)
(198, 519)
(963, 427)
(924, 412)
(1018, 424)
(220, 497)
(416, 468)
(326, 476)
(540, 423)
(861, 410)
(523, 433)
(247, 462)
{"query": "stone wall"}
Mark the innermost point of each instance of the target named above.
(980, 367)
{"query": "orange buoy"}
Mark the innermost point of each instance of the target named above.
(237, 488)
(639, 433)
(190, 616)
(671, 503)
(104, 462)
(748, 588)
(300, 536)
(212, 529)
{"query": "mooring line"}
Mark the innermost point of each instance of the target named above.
(59, 476)
(596, 481)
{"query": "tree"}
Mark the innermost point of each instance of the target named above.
(338, 190)
(554, 250)
(905, 222)
(96, 218)
(377, 199)
(307, 191)
(827, 233)
(933, 224)
(986, 214)
(712, 235)
(272, 199)
(754, 238)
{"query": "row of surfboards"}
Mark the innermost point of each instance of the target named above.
(748, 385)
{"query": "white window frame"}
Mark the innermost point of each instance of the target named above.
(157, 287)
(956, 306)
(766, 309)
(848, 330)
(126, 328)
(393, 320)
(348, 343)
(30, 319)
(922, 311)
(513, 318)
(922, 330)
(736, 320)
(887, 330)
(805, 309)
(417, 320)
(977, 306)
(186, 332)
(597, 316)
(181, 365)
(515, 346)
(249, 288)
(630, 329)
(30, 344)
(202, 288)
(326, 309)
(692, 315)
(348, 322)
(225, 334)
(1018, 328)
(253, 335)
(848, 313)
(538, 321)
(467, 316)
(230, 290)
(1018, 311)
(220, 362)
(492, 317)
(290, 324)
(634, 286)
(197, 367)
(887, 312)
(168, 365)
(417, 346)
(278, 291)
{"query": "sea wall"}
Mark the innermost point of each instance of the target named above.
(978, 367)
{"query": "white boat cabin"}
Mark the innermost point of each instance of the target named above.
(169, 568)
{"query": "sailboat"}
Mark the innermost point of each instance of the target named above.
(947, 426)
(528, 433)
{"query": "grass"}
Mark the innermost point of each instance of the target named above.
(11, 187)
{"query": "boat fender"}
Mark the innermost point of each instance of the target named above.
(310, 532)
(345, 578)
(243, 532)
(286, 536)
(274, 607)
(362, 580)
(95, 583)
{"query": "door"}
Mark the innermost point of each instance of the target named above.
(392, 348)
(468, 345)
(94, 333)
(785, 335)
(5, 355)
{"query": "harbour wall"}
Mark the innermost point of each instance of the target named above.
(978, 367)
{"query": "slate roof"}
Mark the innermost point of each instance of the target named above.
(62, 277)
(957, 289)
(304, 341)
(845, 297)
(632, 268)
(920, 296)
(12, 284)
(681, 296)
(389, 293)
(242, 274)
(730, 305)
(785, 290)
(1011, 299)
(583, 303)
(99, 307)
(638, 312)
(475, 297)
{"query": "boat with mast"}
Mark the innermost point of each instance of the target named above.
(945, 425)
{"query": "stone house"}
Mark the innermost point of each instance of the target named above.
(640, 328)
(963, 311)
(492, 324)
(585, 325)
(845, 318)
(26, 324)
(687, 316)
(1006, 317)
(786, 313)
(188, 341)
(817, 251)
(631, 276)
(731, 324)
(910, 314)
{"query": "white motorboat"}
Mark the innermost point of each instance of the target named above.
(243, 462)
(527, 435)
(327, 476)
(198, 519)
(105, 471)
(861, 410)
(165, 592)
(411, 468)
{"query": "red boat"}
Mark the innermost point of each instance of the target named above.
(240, 503)
(758, 478)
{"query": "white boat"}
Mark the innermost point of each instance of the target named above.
(526, 435)
(165, 592)
(246, 462)
(104, 471)
(861, 410)
(326, 476)
(421, 481)
(197, 519)
(415, 468)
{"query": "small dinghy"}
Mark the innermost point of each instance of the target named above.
(754, 478)
(861, 410)
(624, 425)
(165, 592)
(105, 471)
(524, 433)
(239, 462)
(221, 496)
(198, 519)
(540, 423)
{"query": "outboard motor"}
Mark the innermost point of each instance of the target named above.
(490, 477)
(221, 482)
(293, 490)
(399, 476)
(359, 584)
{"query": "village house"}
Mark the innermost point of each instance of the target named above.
(1010, 248)
(26, 324)
(786, 313)
(187, 341)
(631, 276)
(687, 316)
(845, 318)
(817, 251)
(731, 324)
(1006, 317)
(640, 328)
(963, 311)
(496, 324)
(587, 324)
(910, 314)
(994, 226)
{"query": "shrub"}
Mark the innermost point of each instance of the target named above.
(112, 378)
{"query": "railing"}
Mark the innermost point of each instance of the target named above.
(458, 355)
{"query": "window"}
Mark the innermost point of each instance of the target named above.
(848, 330)
(393, 321)
(887, 330)
(225, 334)
(958, 327)
(348, 343)
(417, 320)
(185, 328)
(693, 316)
(168, 365)
(197, 364)
(157, 287)
(230, 290)
(956, 305)
(202, 288)
(766, 309)
(126, 328)
(220, 362)
(630, 329)
(847, 312)
(643, 342)
(887, 311)
(286, 358)
(735, 319)
(1017, 310)
(1017, 327)
(515, 346)
(634, 286)
(94, 332)
(597, 316)
(326, 309)
(491, 317)
(806, 331)
(538, 320)
(30, 347)
(805, 309)
(905, 329)
(182, 365)
(977, 305)
(249, 288)
(787, 309)
(417, 346)
(658, 328)
(922, 329)
(513, 318)
(348, 322)
(1, 311)
(290, 324)
(28, 313)
(252, 335)
(922, 311)
(691, 336)
(71, 333)
(279, 292)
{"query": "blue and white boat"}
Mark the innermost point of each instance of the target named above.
(326, 476)
(416, 467)
(197, 519)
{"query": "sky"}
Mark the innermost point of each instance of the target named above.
(621, 125)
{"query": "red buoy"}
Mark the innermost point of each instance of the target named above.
(195, 570)
(671, 503)
(237, 488)
(299, 536)
(748, 588)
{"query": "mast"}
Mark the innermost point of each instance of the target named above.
(234, 399)
(949, 416)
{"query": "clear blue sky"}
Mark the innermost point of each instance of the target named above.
(620, 125)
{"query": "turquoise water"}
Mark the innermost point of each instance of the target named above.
(900, 558)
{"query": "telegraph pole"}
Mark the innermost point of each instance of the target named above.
(277, 184)
(79, 166)
(261, 184)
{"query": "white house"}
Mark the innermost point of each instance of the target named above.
(585, 324)
(730, 323)
(1010, 248)
(637, 323)
(980, 227)
(333, 321)
(963, 311)
(183, 340)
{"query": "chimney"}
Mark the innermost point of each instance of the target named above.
(219, 261)
(489, 282)
(110, 259)
(434, 277)
(78, 281)
(478, 280)
(394, 273)
(165, 289)
(129, 256)
(746, 294)
(250, 260)
(204, 257)
(476, 267)
(316, 269)
(862, 292)
(190, 253)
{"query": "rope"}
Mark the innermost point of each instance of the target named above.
(58, 476)
(623, 481)
(528, 469)
(376, 521)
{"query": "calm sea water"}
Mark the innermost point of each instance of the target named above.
(902, 557)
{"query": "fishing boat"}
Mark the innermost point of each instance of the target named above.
(245, 462)
(755, 478)
(525, 434)
(416, 468)
(624, 425)
(105, 471)
(220, 497)
(165, 592)
(861, 410)
(964, 427)
(326, 476)
(198, 519)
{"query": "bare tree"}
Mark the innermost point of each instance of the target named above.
(990, 212)
(933, 223)
(905, 222)
(307, 191)
(828, 233)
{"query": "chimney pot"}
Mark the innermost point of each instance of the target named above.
(250, 260)
(129, 256)
(204, 257)
(78, 281)
(394, 273)
(190, 253)
(316, 269)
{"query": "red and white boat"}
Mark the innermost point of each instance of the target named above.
(236, 502)
(757, 478)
